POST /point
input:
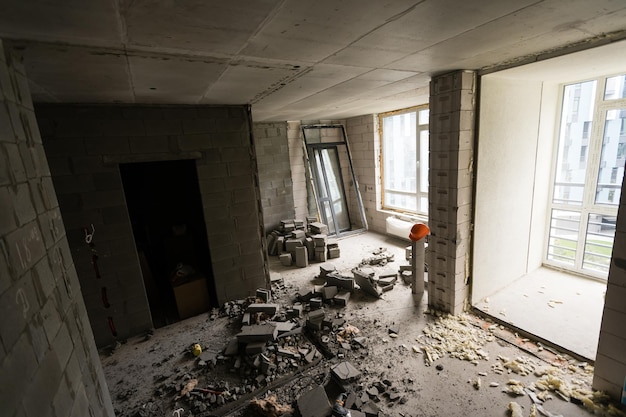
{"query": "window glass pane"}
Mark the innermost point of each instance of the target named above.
(613, 156)
(563, 236)
(576, 122)
(599, 242)
(400, 160)
(615, 87)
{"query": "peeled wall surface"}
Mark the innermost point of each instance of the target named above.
(49, 365)
(85, 145)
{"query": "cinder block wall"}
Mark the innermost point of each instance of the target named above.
(298, 170)
(365, 151)
(85, 145)
(610, 366)
(49, 364)
(451, 145)
(275, 182)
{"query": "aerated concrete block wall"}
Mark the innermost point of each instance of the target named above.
(451, 145)
(610, 366)
(49, 365)
(299, 179)
(365, 151)
(85, 145)
(274, 164)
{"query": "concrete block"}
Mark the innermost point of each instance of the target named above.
(333, 253)
(257, 333)
(345, 372)
(329, 292)
(342, 298)
(283, 326)
(319, 240)
(366, 282)
(285, 259)
(318, 228)
(298, 234)
(292, 244)
(263, 294)
(315, 303)
(254, 348)
(310, 246)
(302, 257)
(269, 309)
(321, 255)
(232, 349)
(326, 269)
(314, 403)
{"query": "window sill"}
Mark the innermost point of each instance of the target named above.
(413, 218)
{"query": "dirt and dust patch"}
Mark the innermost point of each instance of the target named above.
(411, 361)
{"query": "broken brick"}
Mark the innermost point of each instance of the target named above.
(257, 333)
(345, 372)
(314, 403)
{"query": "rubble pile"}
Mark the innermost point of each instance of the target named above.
(293, 242)
(380, 257)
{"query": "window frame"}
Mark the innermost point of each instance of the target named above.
(421, 208)
(593, 161)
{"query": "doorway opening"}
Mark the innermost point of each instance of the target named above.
(165, 209)
(332, 185)
(520, 251)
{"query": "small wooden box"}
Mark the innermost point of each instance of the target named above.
(192, 297)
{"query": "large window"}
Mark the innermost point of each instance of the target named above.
(588, 175)
(404, 136)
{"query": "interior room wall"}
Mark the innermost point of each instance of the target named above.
(362, 134)
(275, 176)
(85, 145)
(505, 178)
(49, 364)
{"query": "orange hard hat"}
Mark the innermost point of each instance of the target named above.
(418, 231)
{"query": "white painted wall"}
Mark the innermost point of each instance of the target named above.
(505, 179)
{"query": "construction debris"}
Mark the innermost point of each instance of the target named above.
(268, 407)
(515, 409)
(455, 337)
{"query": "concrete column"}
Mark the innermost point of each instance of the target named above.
(452, 115)
(610, 366)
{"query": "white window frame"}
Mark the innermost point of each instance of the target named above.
(594, 152)
(421, 196)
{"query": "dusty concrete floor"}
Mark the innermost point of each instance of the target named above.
(145, 373)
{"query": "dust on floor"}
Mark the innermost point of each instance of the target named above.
(409, 361)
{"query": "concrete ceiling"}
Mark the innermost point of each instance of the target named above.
(290, 59)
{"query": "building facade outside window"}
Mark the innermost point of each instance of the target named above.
(404, 140)
(588, 176)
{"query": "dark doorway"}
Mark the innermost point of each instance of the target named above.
(165, 209)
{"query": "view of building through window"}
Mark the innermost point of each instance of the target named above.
(404, 136)
(588, 175)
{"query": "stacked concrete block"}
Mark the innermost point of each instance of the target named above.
(49, 362)
(452, 113)
(318, 228)
(333, 250)
(87, 144)
(295, 236)
(319, 241)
